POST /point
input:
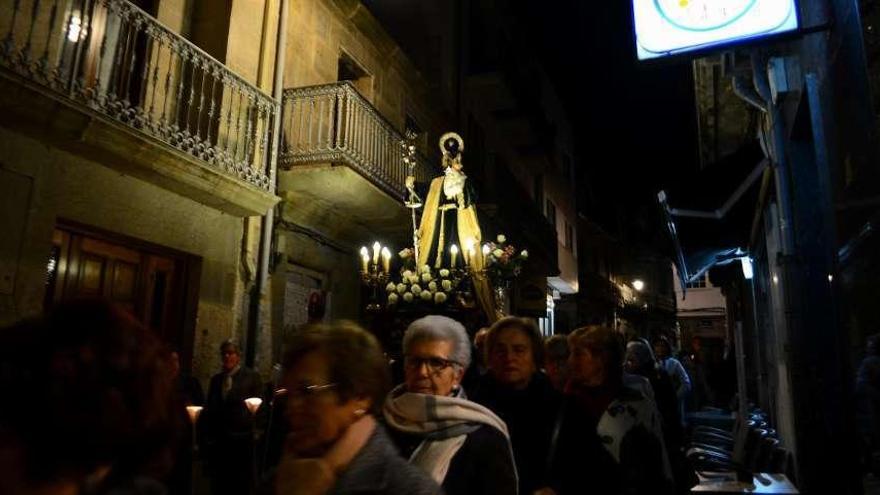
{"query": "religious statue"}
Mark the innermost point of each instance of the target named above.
(449, 233)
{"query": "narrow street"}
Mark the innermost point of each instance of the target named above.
(439, 246)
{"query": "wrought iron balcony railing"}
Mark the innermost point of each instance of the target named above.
(123, 64)
(333, 123)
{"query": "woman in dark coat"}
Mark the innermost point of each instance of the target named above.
(519, 393)
(610, 439)
(640, 361)
(335, 379)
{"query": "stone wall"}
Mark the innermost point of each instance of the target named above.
(320, 31)
(73, 188)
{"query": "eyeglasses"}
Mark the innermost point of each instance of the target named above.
(306, 391)
(435, 364)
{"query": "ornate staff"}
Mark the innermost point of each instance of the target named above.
(413, 201)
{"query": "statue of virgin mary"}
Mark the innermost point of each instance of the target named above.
(449, 219)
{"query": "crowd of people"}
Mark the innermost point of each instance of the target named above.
(99, 407)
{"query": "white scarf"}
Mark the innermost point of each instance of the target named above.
(444, 422)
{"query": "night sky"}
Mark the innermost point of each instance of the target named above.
(635, 125)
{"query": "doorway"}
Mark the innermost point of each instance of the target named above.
(155, 284)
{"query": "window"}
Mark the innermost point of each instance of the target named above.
(550, 211)
(700, 283)
(348, 69)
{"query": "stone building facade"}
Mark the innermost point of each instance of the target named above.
(116, 185)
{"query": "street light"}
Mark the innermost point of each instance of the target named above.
(638, 285)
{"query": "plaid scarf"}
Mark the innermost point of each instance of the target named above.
(443, 422)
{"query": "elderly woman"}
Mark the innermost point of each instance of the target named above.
(640, 361)
(610, 435)
(523, 396)
(461, 444)
(336, 378)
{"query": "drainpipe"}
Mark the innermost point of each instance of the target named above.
(746, 92)
(268, 220)
(780, 162)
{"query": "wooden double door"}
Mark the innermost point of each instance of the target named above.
(157, 285)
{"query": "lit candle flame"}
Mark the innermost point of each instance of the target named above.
(386, 259)
(193, 412)
(253, 403)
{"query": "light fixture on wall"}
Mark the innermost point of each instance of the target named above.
(747, 268)
(638, 285)
(74, 30)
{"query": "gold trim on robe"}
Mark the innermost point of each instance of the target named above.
(468, 228)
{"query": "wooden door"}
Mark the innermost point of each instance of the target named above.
(157, 285)
(97, 268)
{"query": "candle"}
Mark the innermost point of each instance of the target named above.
(468, 250)
(386, 260)
(454, 251)
(252, 404)
(365, 258)
(471, 254)
(194, 412)
(376, 248)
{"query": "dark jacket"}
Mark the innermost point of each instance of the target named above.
(228, 417)
(379, 469)
(530, 415)
(582, 459)
(482, 465)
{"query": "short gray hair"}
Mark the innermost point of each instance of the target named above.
(436, 327)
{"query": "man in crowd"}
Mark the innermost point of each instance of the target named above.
(229, 425)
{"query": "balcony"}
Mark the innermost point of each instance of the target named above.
(343, 165)
(109, 82)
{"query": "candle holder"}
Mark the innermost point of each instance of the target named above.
(253, 405)
(375, 278)
(193, 412)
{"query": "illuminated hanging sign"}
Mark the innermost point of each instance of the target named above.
(671, 27)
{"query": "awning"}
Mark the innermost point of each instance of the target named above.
(709, 215)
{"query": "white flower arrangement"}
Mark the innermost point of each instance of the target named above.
(440, 297)
(426, 296)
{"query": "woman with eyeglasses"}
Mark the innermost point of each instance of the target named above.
(462, 445)
(334, 383)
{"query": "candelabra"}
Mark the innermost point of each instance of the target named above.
(373, 274)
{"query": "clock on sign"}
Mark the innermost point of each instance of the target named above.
(672, 27)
